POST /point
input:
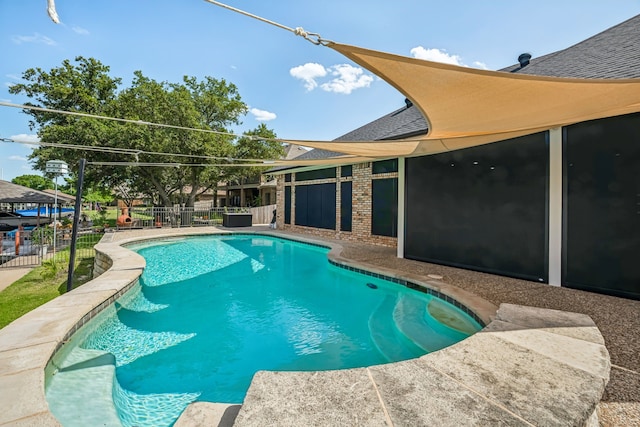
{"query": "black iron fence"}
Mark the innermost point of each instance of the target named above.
(29, 248)
(156, 217)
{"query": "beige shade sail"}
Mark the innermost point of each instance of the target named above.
(466, 107)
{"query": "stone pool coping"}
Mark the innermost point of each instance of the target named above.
(528, 366)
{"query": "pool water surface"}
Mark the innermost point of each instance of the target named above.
(210, 311)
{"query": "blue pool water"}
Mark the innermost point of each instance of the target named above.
(44, 211)
(211, 311)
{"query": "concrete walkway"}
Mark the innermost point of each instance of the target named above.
(8, 275)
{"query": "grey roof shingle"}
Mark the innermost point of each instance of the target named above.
(611, 54)
(402, 123)
(14, 193)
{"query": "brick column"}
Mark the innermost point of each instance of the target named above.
(361, 201)
(280, 201)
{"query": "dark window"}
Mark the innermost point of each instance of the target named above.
(346, 170)
(316, 174)
(287, 177)
(287, 205)
(345, 206)
(385, 166)
(483, 208)
(316, 205)
(602, 206)
(384, 207)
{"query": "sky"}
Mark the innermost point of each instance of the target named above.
(298, 89)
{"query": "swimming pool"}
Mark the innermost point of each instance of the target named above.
(211, 311)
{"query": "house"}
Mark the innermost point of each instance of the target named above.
(259, 190)
(560, 206)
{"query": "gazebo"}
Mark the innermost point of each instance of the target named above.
(12, 194)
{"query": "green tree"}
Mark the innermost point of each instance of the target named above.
(36, 182)
(259, 143)
(84, 87)
(210, 104)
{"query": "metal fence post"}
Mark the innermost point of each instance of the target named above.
(76, 224)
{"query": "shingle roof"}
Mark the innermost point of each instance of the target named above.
(62, 197)
(14, 193)
(611, 54)
(402, 123)
(317, 153)
(292, 151)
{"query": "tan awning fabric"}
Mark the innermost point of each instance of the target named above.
(463, 102)
(331, 161)
(466, 107)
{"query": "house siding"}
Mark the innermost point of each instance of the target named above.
(361, 205)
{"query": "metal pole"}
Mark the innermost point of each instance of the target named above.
(55, 204)
(76, 223)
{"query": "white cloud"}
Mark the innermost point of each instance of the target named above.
(24, 137)
(35, 38)
(308, 72)
(18, 158)
(348, 78)
(436, 55)
(262, 115)
(80, 30)
(441, 55)
(481, 65)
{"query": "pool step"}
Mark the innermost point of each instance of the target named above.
(386, 336)
(410, 316)
(86, 376)
(450, 319)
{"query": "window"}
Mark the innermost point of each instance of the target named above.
(316, 205)
(316, 174)
(385, 166)
(384, 207)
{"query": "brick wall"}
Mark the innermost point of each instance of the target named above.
(361, 207)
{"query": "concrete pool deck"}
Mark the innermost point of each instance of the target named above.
(27, 345)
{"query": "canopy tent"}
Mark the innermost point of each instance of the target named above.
(466, 107)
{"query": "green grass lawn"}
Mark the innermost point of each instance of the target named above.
(46, 282)
(107, 216)
(110, 214)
